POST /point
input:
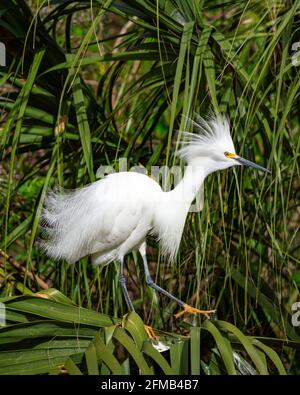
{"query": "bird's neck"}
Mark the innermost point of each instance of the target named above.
(186, 190)
(171, 213)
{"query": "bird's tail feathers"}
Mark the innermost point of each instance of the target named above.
(64, 212)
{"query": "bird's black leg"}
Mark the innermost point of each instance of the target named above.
(152, 284)
(122, 280)
(186, 308)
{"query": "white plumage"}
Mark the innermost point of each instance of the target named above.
(111, 217)
(105, 219)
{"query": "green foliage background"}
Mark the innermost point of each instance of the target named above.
(89, 82)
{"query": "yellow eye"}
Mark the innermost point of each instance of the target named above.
(229, 155)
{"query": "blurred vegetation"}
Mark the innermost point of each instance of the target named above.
(87, 83)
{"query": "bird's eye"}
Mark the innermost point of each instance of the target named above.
(229, 154)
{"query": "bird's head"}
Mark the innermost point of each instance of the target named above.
(211, 145)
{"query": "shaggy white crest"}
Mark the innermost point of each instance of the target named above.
(211, 135)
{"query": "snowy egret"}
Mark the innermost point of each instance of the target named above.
(112, 216)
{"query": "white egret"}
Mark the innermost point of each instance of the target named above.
(111, 217)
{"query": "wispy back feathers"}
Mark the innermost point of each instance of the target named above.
(67, 223)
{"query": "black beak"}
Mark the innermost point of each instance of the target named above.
(247, 162)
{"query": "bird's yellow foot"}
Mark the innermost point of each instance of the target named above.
(150, 332)
(192, 310)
